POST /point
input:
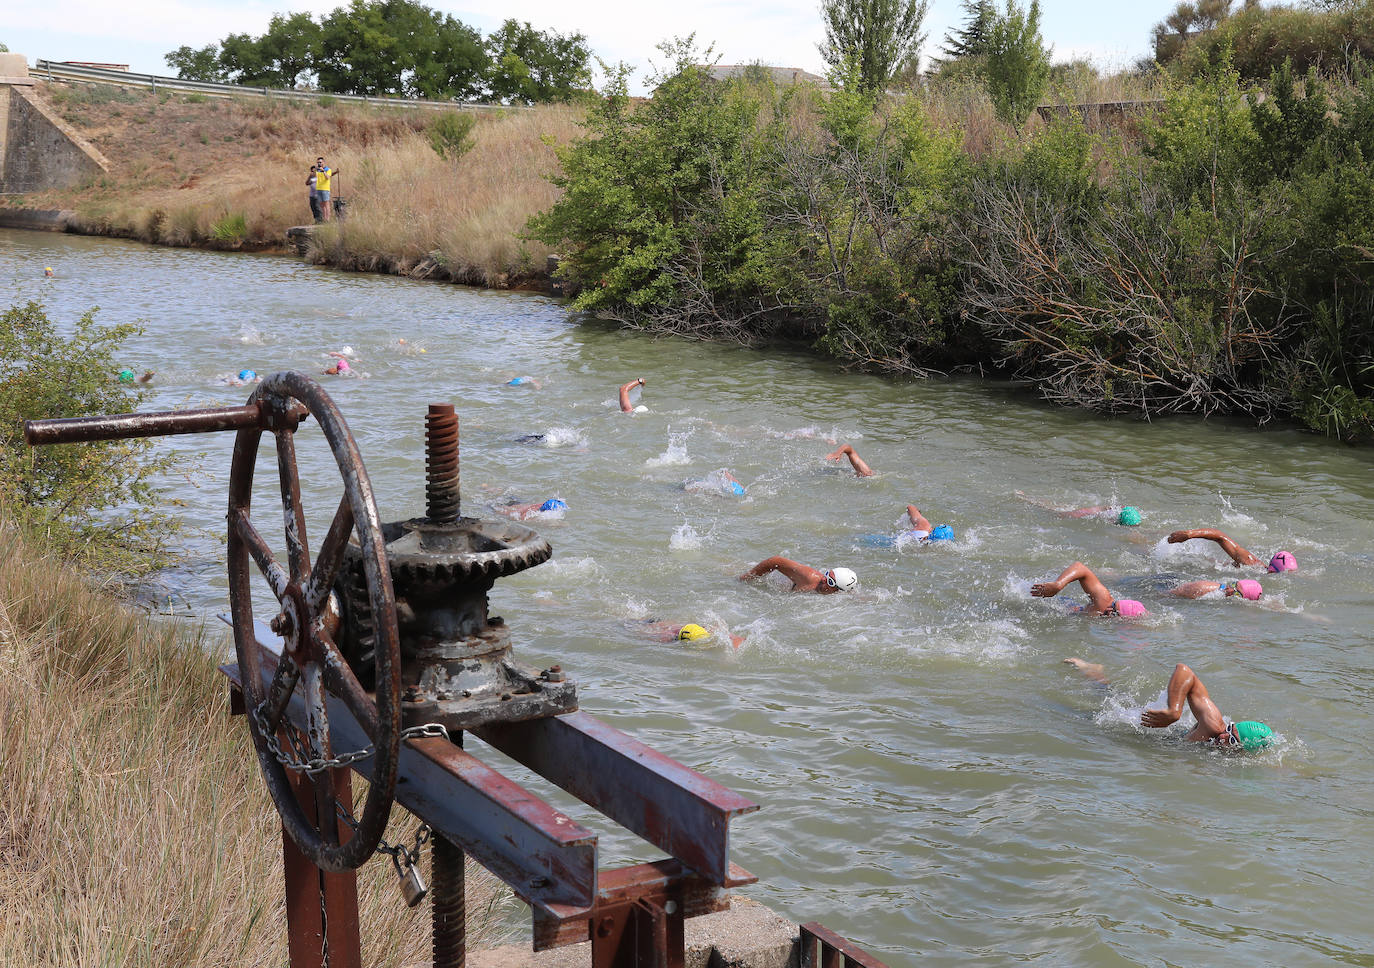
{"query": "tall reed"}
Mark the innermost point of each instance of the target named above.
(135, 829)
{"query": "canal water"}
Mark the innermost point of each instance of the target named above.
(936, 783)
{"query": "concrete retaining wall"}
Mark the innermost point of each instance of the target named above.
(38, 150)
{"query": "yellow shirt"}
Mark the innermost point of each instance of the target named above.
(322, 179)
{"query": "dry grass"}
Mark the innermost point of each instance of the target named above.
(231, 174)
(135, 829)
(413, 212)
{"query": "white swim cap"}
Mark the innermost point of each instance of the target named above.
(841, 578)
(347, 351)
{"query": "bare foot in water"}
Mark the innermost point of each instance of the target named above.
(1092, 670)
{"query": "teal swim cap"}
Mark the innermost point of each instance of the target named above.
(1253, 735)
(126, 376)
(1129, 516)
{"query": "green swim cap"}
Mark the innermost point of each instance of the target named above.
(1253, 735)
(1129, 516)
(126, 375)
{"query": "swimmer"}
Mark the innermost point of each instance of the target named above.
(805, 578)
(921, 529)
(1246, 588)
(1127, 516)
(721, 481)
(523, 381)
(522, 511)
(1211, 725)
(147, 376)
(625, 405)
(47, 272)
(339, 367)
(1282, 560)
(860, 468)
(1100, 600)
(673, 632)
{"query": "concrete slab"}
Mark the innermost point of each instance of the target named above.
(748, 935)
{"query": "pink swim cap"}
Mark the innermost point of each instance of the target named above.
(1129, 608)
(343, 365)
(1249, 589)
(1283, 561)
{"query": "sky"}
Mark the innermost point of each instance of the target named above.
(781, 33)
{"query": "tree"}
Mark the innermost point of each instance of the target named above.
(292, 47)
(1018, 63)
(196, 65)
(529, 65)
(880, 36)
(971, 40)
(399, 48)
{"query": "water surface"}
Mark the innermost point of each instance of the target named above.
(935, 782)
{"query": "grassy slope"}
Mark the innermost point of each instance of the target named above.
(228, 173)
(135, 829)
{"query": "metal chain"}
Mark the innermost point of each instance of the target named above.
(296, 760)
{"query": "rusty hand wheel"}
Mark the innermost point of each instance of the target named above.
(306, 623)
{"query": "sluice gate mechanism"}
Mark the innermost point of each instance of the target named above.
(379, 656)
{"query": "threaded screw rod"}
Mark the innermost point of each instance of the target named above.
(443, 499)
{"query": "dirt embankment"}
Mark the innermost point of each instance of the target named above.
(230, 174)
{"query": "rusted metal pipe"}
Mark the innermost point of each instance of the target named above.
(448, 898)
(72, 430)
(443, 499)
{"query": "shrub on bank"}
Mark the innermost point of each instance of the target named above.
(94, 503)
(1216, 258)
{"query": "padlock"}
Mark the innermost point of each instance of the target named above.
(413, 886)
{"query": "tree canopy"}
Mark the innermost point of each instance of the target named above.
(878, 37)
(398, 48)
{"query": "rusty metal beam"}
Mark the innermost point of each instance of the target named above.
(661, 882)
(673, 807)
(546, 858)
(72, 430)
(833, 950)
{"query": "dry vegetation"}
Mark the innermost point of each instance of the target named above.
(134, 827)
(230, 173)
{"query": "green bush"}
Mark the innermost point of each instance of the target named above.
(95, 503)
(450, 134)
(231, 229)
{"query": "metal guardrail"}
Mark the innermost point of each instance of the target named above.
(74, 73)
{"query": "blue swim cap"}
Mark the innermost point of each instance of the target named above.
(246, 375)
(941, 532)
(553, 504)
(515, 382)
(737, 489)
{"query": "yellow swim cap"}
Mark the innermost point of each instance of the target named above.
(690, 633)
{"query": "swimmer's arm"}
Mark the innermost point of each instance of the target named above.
(625, 405)
(1237, 554)
(861, 469)
(1195, 589)
(917, 520)
(801, 575)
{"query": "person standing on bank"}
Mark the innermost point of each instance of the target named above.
(323, 176)
(314, 197)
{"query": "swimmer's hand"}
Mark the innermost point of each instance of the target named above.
(1045, 589)
(1158, 718)
(1178, 537)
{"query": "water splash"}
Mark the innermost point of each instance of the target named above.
(676, 452)
(685, 538)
